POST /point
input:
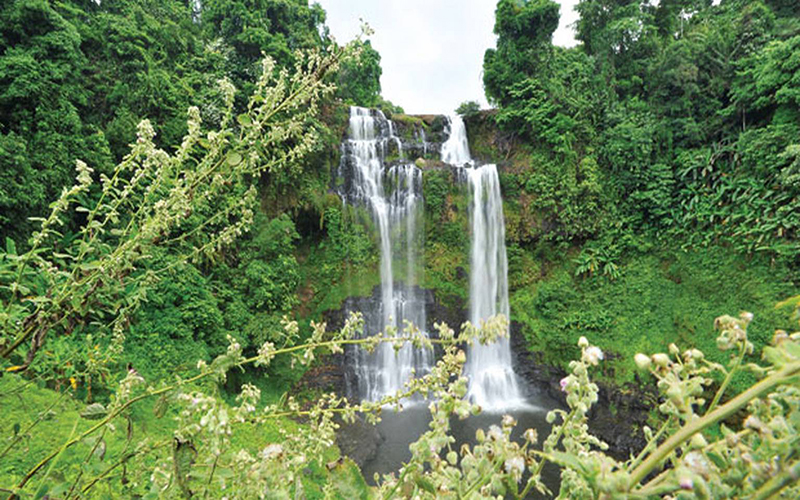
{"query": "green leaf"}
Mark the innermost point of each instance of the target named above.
(100, 450)
(425, 484)
(11, 247)
(244, 119)
(792, 348)
(94, 411)
(791, 301)
(90, 266)
(776, 356)
(566, 460)
(234, 158)
(717, 459)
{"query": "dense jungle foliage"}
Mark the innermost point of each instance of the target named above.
(76, 79)
(664, 144)
(651, 182)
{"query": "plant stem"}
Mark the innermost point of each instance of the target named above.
(651, 445)
(776, 484)
(211, 476)
(724, 411)
(728, 378)
(398, 483)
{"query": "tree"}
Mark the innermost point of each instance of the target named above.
(359, 80)
(524, 30)
(40, 95)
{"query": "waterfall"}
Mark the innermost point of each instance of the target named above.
(455, 149)
(492, 382)
(394, 197)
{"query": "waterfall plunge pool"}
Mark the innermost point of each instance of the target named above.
(399, 429)
(492, 381)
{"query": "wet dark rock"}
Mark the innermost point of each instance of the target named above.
(617, 418)
(327, 377)
(358, 440)
(619, 414)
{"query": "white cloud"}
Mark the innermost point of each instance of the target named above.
(431, 50)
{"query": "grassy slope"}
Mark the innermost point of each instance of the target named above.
(51, 432)
(662, 297)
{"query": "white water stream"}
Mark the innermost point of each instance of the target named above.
(394, 197)
(492, 382)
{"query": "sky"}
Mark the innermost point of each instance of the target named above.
(431, 50)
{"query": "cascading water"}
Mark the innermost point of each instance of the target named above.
(492, 382)
(394, 197)
(455, 149)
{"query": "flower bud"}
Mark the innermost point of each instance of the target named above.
(661, 359)
(642, 361)
(779, 337)
(593, 355)
(673, 349)
(675, 394)
(509, 421)
(583, 342)
(698, 441)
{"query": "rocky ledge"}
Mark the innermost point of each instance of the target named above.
(619, 414)
(617, 418)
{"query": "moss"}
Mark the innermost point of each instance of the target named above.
(409, 120)
(446, 271)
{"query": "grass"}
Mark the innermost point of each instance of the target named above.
(22, 402)
(661, 297)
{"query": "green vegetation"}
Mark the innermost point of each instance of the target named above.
(161, 297)
(446, 238)
(645, 171)
(659, 298)
(680, 127)
(45, 419)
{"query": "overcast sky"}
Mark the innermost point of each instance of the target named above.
(431, 50)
